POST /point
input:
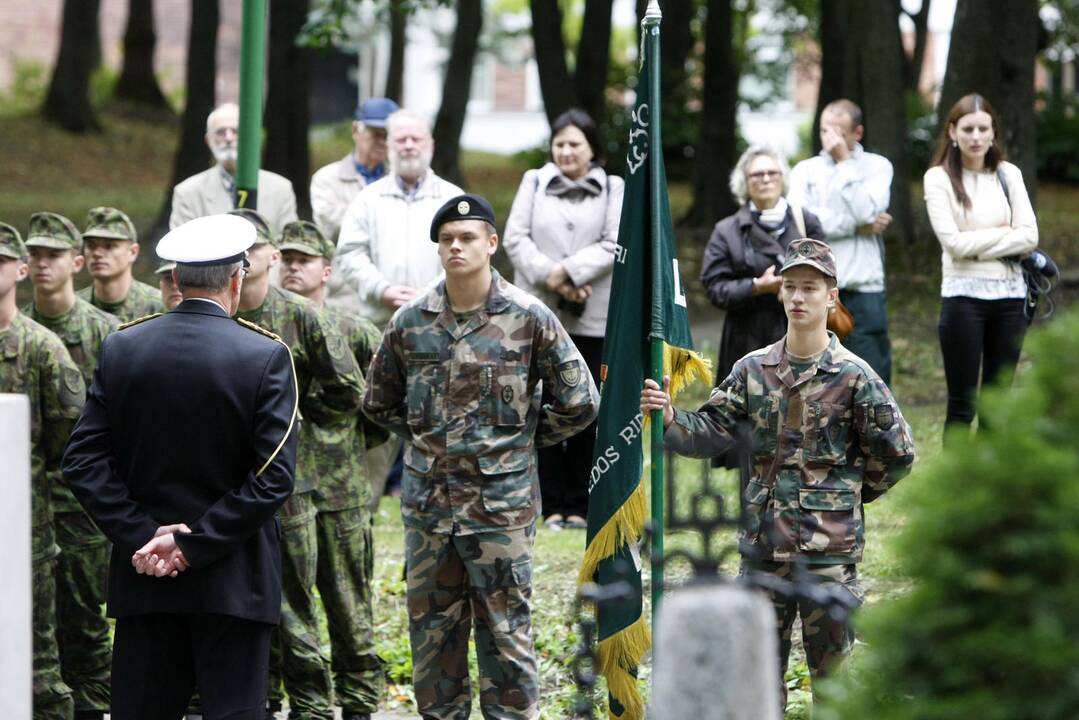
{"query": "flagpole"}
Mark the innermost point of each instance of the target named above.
(252, 45)
(653, 16)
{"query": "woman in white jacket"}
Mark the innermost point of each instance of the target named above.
(979, 209)
(561, 236)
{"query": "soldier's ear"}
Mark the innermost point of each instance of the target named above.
(78, 262)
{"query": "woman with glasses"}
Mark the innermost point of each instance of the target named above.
(740, 267)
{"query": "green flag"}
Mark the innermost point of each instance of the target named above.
(647, 301)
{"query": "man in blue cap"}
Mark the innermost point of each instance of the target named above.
(335, 185)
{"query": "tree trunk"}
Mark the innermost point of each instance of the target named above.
(137, 82)
(921, 35)
(593, 57)
(550, 48)
(395, 73)
(286, 116)
(192, 155)
(993, 47)
(716, 150)
(68, 101)
(456, 90)
(681, 128)
(834, 30)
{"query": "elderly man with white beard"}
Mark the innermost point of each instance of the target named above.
(212, 191)
(384, 255)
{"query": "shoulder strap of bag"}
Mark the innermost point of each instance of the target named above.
(1003, 184)
(799, 219)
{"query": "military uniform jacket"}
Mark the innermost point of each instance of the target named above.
(824, 443)
(190, 418)
(338, 451)
(141, 300)
(81, 329)
(466, 399)
(33, 362)
(331, 385)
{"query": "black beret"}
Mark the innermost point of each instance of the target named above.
(462, 207)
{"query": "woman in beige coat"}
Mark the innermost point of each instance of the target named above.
(561, 236)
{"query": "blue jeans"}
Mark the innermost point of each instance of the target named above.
(869, 339)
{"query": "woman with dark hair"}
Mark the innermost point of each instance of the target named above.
(739, 269)
(981, 214)
(561, 236)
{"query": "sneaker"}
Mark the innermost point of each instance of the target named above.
(576, 522)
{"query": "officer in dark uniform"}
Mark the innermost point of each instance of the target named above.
(184, 452)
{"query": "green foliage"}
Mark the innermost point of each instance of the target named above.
(1057, 129)
(921, 133)
(27, 89)
(990, 629)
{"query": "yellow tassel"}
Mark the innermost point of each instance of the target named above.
(684, 367)
(614, 655)
(626, 525)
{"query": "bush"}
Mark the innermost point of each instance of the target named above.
(991, 627)
(1058, 141)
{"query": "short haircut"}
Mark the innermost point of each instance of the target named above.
(844, 105)
(575, 117)
(739, 184)
(219, 108)
(405, 115)
(206, 277)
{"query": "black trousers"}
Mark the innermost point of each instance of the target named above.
(977, 335)
(564, 468)
(159, 659)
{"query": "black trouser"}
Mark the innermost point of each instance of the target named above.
(564, 468)
(159, 659)
(985, 335)
(869, 338)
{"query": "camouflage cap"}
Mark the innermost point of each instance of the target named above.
(109, 223)
(305, 237)
(11, 244)
(263, 234)
(52, 230)
(814, 253)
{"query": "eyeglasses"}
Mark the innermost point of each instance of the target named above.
(764, 175)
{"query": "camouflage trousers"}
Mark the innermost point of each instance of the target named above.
(454, 581)
(52, 696)
(82, 630)
(826, 641)
(346, 563)
(296, 656)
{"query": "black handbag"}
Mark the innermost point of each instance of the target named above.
(1039, 272)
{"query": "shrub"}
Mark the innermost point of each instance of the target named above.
(991, 627)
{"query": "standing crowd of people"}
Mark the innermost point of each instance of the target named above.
(229, 433)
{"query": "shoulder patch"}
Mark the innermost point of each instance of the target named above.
(136, 321)
(259, 329)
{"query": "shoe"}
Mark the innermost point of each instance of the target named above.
(553, 522)
(576, 522)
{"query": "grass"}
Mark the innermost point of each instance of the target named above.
(129, 165)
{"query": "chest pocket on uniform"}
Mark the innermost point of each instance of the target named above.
(764, 414)
(830, 424)
(425, 393)
(504, 397)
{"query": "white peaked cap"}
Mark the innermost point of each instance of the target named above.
(210, 240)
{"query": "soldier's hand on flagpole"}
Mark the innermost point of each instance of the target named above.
(653, 398)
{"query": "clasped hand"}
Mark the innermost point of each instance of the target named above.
(162, 556)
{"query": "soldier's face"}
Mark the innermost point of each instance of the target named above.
(12, 272)
(303, 274)
(109, 258)
(170, 291)
(807, 297)
(465, 247)
(52, 269)
(262, 257)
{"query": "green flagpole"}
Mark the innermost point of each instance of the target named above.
(252, 62)
(650, 25)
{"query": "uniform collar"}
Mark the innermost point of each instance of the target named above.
(11, 339)
(777, 357)
(197, 306)
(438, 303)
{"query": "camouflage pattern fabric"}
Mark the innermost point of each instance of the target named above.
(346, 559)
(465, 398)
(52, 230)
(826, 641)
(109, 223)
(141, 300)
(453, 580)
(825, 442)
(33, 362)
(11, 244)
(298, 662)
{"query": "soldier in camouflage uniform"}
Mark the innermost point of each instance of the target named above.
(331, 387)
(338, 454)
(170, 293)
(111, 249)
(827, 438)
(457, 377)
(55, 247)
(33, 362)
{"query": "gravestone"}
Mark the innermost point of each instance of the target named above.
(16, 654)
(716, 656)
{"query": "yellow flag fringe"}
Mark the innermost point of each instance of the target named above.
(624, 650)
